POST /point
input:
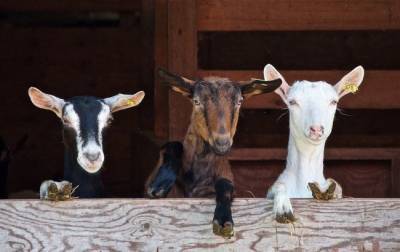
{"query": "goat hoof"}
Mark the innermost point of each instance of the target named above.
(157, 193)
(225, 231)
(285, 218)
(319, 195)
(52, 192)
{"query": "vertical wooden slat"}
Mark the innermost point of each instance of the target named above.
(395, 178)
(161, 60)
(147, 77)
(182, 59)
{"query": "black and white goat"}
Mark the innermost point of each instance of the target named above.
(84, 119)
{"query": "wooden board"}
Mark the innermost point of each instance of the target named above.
(185, 225)
(182, 60)
(299, 50)
(65, 5)
(161, 91)
(230, 15)
(379, 89)
(332, 153)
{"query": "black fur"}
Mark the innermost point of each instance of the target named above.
(224, 197)
(90, 185)
(4, 162)
(167, 173)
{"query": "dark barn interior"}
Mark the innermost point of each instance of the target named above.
(102, 48)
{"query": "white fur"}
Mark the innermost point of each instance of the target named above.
(310, 104)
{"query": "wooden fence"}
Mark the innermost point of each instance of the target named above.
(185, 225)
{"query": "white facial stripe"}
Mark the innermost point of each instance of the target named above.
(90, 147)
(73, 118)
(102, 119)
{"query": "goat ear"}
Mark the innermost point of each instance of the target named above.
(270, 73)
(350, 82)
(46, 101)
(124, 101)
(177, 83)
(255, 87)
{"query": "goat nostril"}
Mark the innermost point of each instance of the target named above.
(222, 141)
(317, 129)
(92, 156)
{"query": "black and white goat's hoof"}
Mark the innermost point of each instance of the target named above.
(223, 222)
(156, 193)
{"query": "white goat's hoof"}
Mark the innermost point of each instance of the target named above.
(332, 191)
(337, 194)
(283, 209)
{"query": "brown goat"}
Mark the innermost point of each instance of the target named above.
(204, 170)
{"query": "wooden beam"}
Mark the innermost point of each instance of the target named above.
(380, 89)
(182, 59)
(250, 154)
(183, 224)
(66, 5)
(251, 15)
(161, 118)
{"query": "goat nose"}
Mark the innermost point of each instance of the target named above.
(92, 156)
(315, 129)
(222, 141)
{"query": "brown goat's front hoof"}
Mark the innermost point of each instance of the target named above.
(317, 193)
(285, 218)
(225, 231)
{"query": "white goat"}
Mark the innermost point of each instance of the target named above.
(312, 107)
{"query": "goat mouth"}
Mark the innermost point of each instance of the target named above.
(315, 141)
(221, 151)
(90, 167)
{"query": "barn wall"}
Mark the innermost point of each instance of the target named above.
(98, 49)
(313, 40)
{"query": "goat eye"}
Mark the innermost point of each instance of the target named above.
(334, 102)
(196, 102)
(293, 102)
(109, 121)
(66, 122)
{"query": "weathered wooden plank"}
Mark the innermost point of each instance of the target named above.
(330, 153)
(161, 119)
(247, 50)
(182, 59)
(185, 225)
(65, 5)
(229, 15)
(378, 91)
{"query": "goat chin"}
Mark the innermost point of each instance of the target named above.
(90, 167)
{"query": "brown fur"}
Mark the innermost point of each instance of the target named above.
(205, 170)
(217, 117)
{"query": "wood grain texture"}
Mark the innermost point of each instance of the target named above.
(182, 60)
(184, 225)
(378, 90)
(330, 153)
(65, 5)
(250, 15)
